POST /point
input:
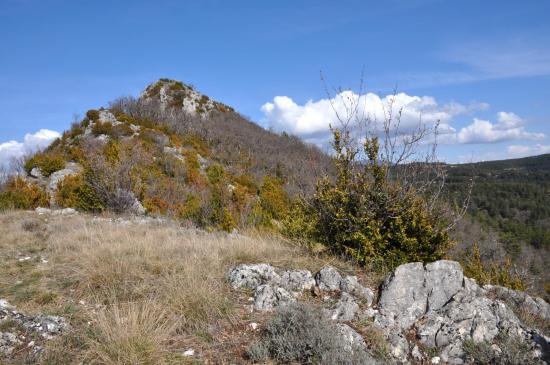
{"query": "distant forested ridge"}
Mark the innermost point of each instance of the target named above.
(510, 196)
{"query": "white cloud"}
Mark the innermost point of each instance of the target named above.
(311, 120)
(527, 150)
(31, 143)
(509, 127)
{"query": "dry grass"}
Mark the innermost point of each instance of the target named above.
(131, 333)
(134, 294)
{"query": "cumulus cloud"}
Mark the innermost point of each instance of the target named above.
(527, 150)
(31, 143)
(311, 120)
(508, 127)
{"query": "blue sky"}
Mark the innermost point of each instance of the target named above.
(483, 65)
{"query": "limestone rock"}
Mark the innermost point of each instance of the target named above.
(70, 169)
(46, 326)
(346, 308)
(355, 347)
(268, 297)
(411, 290)
(445, 309)
(351, 285)
(404, 294)
(443, 280)
(250, 276)
(41, 210)
(137, 208)
(105, 116)
(533, 305)
(328, 279)
(297, 280)
(36, 172)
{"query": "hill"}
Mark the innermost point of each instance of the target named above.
(511, 196)
(173, 151)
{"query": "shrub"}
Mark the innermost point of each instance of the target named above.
(92, 114)
(122, 130)
(102, 128)
(301, 333)
(215, 173)
(47, 162)
(191, 209)
(18, 194)
(73, 192)
(497, 274)
(367, 215)
(273, 198)
(513, 351)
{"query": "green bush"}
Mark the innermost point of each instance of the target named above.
(18, 194)
(215, 173)
(92, 114)
(47, 162)
(273, 198)
(497, 273)
(102, 128)
(73, 192)
(368, 216)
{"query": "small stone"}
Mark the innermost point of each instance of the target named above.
(189, 353)
(350, 284)
(435, 360)
(68, 211)
(253, 326)
(36, 172)
(41, 210)
(370, 313)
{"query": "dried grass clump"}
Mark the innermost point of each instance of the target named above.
(131, 333)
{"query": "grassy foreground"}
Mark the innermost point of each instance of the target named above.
(137, 294)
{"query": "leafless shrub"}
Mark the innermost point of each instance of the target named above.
(112, 180)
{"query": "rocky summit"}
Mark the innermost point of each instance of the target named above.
(427, 313)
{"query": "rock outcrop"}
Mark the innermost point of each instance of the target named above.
(444, 310)
(421, 310)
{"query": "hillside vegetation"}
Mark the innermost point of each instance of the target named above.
(511, 196)
(175, 152)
